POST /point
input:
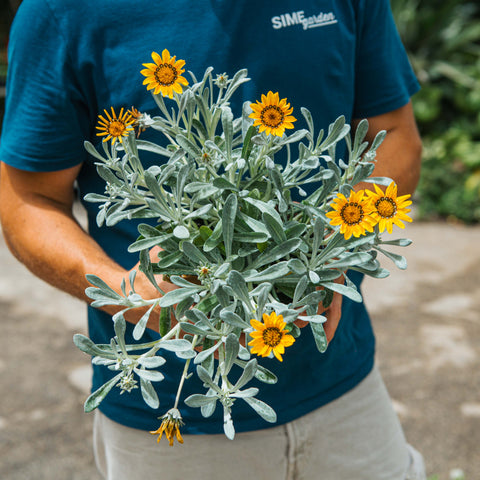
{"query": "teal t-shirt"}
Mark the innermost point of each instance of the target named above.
(69, 60)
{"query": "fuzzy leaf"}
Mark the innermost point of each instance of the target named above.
(165, 321)
(197, 400)
(231, 351)
(251, 237)
(233, 319)
(152, 362)
(398, 260)
(237, 282)
(228, 427)
(349, 292)
(181, 232)
(319, 336)
(99, 283)
(94, 400)
(92, 151)
(192, 252)
(399, 242)
(90, 348)
(193, 329)
(274, 227)
(152, 147)
(176, 345)
(150, 375)
(140, 326)
(228, 222)
(204, 354)
(177, 295)
(190, 147)
(227, 125)
(350, 259)
(279, 270)
(205, 378)
(247, 142)
(264, 208)
(264, 410)
(249, 392)
(149, 394)
(277, 252)
(247, 374)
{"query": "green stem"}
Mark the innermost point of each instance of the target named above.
(184, 373)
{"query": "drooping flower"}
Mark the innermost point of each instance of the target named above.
(165, 75)
(272, 115)
(270, 336)
(387, 208)
(142, 120)
(352, 214)
(113, 127)
(171, 423)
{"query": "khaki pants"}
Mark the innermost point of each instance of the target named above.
(356, 437)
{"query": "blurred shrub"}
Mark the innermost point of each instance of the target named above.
(442, 38)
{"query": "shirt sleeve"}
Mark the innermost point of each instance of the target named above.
(46, 116)
(384, 77)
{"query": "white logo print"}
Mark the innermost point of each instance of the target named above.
(299, 18)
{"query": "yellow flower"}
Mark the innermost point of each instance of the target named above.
(270, 336)
(113, 127)
(352, 214)
(272, 115)
(387, 208)
(164, 76)
(171, 423)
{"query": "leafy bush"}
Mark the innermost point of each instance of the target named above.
(443, 41)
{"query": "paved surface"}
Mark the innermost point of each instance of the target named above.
(426, 318)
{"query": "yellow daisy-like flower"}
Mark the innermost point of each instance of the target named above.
(164, 76)
(387, 208)
(352, 214)
(113, 127)
(171, 423)
(272, 115)
(270, 336)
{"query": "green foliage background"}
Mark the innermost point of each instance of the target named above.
(442, 38)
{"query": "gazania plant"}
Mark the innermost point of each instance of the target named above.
(250, 251)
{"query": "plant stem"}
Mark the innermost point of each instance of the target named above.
(184, 373)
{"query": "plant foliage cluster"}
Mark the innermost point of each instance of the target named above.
(232, 239)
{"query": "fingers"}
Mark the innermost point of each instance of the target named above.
(333, 314)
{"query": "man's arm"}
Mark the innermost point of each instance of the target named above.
(40, 230)
(398, 158)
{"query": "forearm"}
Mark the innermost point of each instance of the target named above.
(41, 231)
(53, 246)
(47, 239)
(398, 157)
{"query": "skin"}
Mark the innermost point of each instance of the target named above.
(34, 204)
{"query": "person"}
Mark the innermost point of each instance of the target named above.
(70, 60)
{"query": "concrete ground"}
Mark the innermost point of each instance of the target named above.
(427, 321)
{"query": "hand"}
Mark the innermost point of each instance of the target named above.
(147, 291)
(333, 313)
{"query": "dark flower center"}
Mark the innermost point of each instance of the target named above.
(116, 128)
(386, 207)
(352, 213)
(272, 116)
(166, 74)
(272, 336)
